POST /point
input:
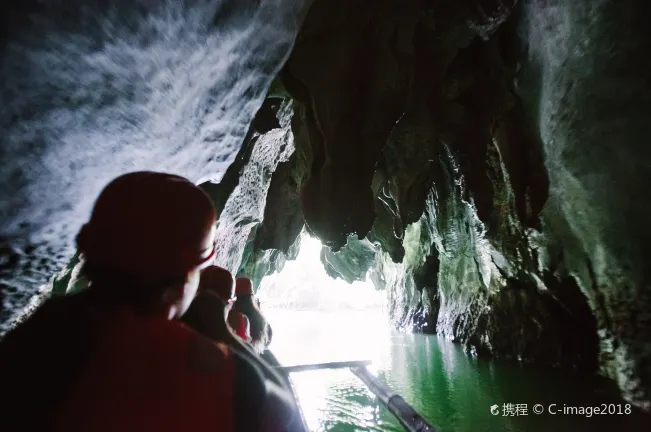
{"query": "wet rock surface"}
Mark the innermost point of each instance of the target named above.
(591, 95)
(481, 227)
(352, 262)
(481, 161)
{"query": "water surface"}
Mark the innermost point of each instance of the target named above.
(453, 391)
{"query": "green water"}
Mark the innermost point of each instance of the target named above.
(453, 391)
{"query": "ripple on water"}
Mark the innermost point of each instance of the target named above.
(345, 405)
(450, 389)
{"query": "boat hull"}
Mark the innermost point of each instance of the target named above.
(300, 425)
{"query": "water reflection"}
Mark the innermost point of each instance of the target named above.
(334, 399)
(316, 319)
(452, 390)
(345, 405)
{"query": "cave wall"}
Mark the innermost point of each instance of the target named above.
(586, 85)
(242, 215)
(277, 235)
(93, 89)
(498, 152)
(449, 136)
(476, 206)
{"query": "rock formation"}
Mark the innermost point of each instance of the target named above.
(93, 89)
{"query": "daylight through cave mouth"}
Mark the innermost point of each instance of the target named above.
(318, 319)
(304, 285)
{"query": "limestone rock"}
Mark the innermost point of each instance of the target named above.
(352, 262)
(90, 91)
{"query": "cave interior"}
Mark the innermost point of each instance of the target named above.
(482, 161)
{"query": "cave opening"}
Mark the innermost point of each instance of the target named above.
(319, 319)
(304, 285)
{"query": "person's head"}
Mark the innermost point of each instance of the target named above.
(149, 236)
(219, 282)
(243, 287)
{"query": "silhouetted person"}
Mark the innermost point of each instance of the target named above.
(207, 315)
(113, 357)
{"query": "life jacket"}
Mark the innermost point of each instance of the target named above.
(41, 358)
(205, 316)
(150, 374)
(140, 378)
(240, 325)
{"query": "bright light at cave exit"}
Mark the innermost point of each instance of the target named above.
(317, 319)
(303, 284)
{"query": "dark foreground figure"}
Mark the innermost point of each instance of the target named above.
(208, 315)
(114, 358)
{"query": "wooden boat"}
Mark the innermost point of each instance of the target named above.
(298, 426)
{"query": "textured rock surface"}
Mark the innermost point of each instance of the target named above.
(487, 208)
(244, 210)
(90, 90)
(265, 121)
(588, 85)
(352, 105)
(352, 262)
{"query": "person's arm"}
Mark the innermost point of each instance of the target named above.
(240, 325)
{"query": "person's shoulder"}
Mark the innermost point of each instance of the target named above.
(55, 312)
(210, 356)
(207, 355)
(58, 304)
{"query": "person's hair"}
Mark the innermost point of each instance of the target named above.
(115, 289)
(217, 280)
